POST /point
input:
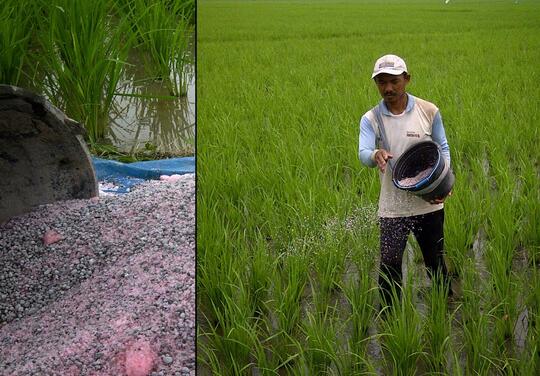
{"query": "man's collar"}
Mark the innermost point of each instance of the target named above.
(410, 105)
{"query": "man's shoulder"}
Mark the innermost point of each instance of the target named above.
(426, 106)
(370, 114)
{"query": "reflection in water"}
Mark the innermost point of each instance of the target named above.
(140, 119)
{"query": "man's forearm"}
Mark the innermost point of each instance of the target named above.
(366, 143)
(439, 136)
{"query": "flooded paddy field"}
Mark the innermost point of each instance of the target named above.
(287, 230)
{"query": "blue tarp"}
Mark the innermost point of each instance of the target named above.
(127, 175)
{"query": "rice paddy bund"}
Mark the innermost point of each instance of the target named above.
(287, 235)
(122, 68)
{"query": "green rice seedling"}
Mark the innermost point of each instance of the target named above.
(164, 30)
(220, 290)
(461, 228)
(477, 345)
(475, 323)
(533, 298)
(215, 275)
(299, 364)
(207, 355)
(283, 352)
(266, 360)
(187, 10)
(403, 329)
(528, 365)
(234, 336)
(438, 326)
(505, 294)
(16, 27)
(530, 362)
(322, 346)
(259, 277)
(85, 53)
(329, 264)
(529, 199)
(455, 366)
(320, 297)
(503, 219)
(360, 290)
(288, 290)
(217, 357)
(360, 295)
(530, 358)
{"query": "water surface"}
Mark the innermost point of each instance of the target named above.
(149, 117)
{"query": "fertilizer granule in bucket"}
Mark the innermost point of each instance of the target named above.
(408, 182)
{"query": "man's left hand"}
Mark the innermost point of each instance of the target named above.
(440, 200)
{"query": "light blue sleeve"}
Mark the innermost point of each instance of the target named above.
(439, 136)
(366, 142)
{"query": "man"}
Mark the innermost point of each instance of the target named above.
(406, 120)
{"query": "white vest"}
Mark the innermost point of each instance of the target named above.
(403, 131)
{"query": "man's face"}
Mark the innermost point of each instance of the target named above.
(392, 87)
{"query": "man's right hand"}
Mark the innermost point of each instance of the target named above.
(380, 157)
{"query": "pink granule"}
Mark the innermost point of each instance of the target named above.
(51, 237)
(140, 358)
(407, 182)
(171, 178)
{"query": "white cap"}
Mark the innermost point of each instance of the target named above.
(390, 64)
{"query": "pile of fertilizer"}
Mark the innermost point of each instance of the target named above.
(408, 182)
(102, 286)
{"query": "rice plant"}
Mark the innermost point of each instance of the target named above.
(329, 266)
(322, 347)
(83, 54)
(163, 31)
(403, 330)
(234, 334)
(460, 231)
(361, 292)
(287, 293)
(530, 357)
(259, 278)
(505, 297)
(16, 28)
(475, 324)
(438, 326)
(360, 295)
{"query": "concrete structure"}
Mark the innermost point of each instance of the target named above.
(43, 156)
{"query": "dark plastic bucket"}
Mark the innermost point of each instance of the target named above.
(422, 170)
